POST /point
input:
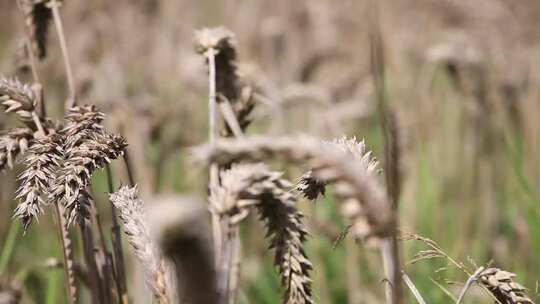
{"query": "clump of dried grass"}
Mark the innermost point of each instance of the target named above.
(133, 216)
(13, 143)
(247, 185)
(363, 201)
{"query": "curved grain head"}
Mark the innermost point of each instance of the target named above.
(246, 185)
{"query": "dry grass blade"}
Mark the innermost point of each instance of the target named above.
(37, 18)
(247, 185)
(43, 160)
(13, 143)
(502, 286)
(133, 216)
(19, 98)
(362, 199)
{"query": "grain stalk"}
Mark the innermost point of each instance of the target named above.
(71, 101)
(390, 247)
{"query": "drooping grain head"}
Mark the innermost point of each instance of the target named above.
(311, 187)
(246, 185)
(363, 200)
(503, 287)
(221, 42)
(80, 162)
(16, 97)
(13, 143)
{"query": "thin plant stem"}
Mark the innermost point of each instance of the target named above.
(212, 133)
(413, 288)
(468, 284)
(72, 98)
(67, 254)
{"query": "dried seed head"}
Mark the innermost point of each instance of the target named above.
(220, 42)
(37, 17)
(81, 161)
(17, 98)
(79, 118)
(43, 160)
(363, 201)
(244, 185)
(133, 216)
(311, 187)
(503, 287)
(13, 143)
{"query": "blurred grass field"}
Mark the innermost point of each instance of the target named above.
(469, 125)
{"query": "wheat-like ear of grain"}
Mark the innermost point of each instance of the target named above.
(37, 17)
(363, 201)
(311, 187)
(502, 286)
(133, 216)
(246, 185)
(230, 87)
(87, 147)
(13, 143)
(19, 98)
(45, 156)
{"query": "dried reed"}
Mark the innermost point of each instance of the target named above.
(37, 18)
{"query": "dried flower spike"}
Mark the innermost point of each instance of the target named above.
(17, 98)
(503, 287)
(246, 185)
(13, 143)
(42, 163)
(133, 216)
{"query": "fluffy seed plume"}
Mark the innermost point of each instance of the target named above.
(363, 201)
(42, 162)
(37, 17)
(13, 143)
(311, 187)
(18, 98)
(503, 287)
(245, 185)
(133, 216)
